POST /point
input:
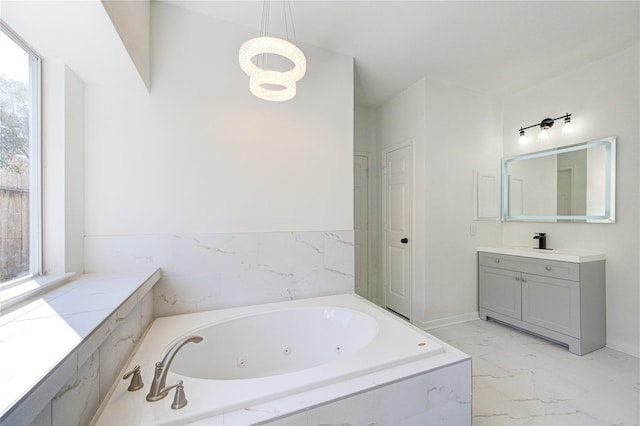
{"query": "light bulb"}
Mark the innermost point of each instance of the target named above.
(568, 126)
(544, 134)
(523, 138)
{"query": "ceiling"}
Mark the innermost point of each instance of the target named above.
(493, 47)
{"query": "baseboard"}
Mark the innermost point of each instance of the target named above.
(441, 322)
(624, 348)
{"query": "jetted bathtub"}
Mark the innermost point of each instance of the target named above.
(250, 355)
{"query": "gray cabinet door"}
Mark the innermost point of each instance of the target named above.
(551, 303)
(500, 291)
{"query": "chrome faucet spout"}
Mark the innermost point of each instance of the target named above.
(158, 386)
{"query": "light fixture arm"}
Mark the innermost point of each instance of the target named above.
(547, 122)
(545, 125)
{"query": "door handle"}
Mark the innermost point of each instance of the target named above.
(404, 240)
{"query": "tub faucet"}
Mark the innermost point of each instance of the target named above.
(542, 240)
(158, 386)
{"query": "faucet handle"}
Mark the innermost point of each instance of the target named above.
(179, 399)
(136, 380)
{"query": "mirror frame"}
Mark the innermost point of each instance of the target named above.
(610, 173)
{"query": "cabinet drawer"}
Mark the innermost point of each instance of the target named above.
(545, 268)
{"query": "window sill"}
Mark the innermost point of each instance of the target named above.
(16, 294)
(44, 341)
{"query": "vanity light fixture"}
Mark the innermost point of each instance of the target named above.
(545, 125)
(270, 84)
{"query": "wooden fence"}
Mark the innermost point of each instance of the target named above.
(14, 224)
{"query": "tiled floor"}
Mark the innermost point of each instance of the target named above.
(519, 379)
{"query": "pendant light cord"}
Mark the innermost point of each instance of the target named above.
(264, 30)
(293, 27)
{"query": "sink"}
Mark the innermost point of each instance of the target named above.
(561, 255)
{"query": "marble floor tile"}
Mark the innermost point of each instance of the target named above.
(520, 379)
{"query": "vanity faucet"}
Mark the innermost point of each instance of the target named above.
(158, 389)
(542, 240)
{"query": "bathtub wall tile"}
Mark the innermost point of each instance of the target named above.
(450, 395)
(212, 253)
(92, 343)
(339, 253)
(215, 271)
(289, 256)
(387, 405)
(124, 253)
(146, 312)
(116, 349)
(78, 400)
(44, 418)
(440, 398)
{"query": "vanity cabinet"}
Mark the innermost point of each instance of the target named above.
(559, 300)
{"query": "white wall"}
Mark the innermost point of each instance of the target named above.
(455, 133)
(238, 200)
(604, 100)
(463, 136)
(63, 171)
(131, 19)
(201, 154)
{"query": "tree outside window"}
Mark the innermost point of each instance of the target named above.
(16, 106)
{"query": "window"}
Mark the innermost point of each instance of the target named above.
(20, 155)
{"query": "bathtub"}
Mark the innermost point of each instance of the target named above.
(252, 355)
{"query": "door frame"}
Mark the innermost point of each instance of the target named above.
(383, 216)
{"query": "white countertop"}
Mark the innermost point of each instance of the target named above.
(46, 333)
(573, 256)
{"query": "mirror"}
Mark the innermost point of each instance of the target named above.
(573, 183)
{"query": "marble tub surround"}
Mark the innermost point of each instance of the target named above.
(425, 395)
(390, 380)
(520, 379)
(56, 350)
(214, 271)
(561, 255)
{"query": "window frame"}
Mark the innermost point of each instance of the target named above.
(35, 167)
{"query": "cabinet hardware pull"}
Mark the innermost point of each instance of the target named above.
(517, 278)
(548, 268)
(524, 280)
(497, 260)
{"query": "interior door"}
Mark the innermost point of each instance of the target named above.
(360, 224)
(398, 201)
